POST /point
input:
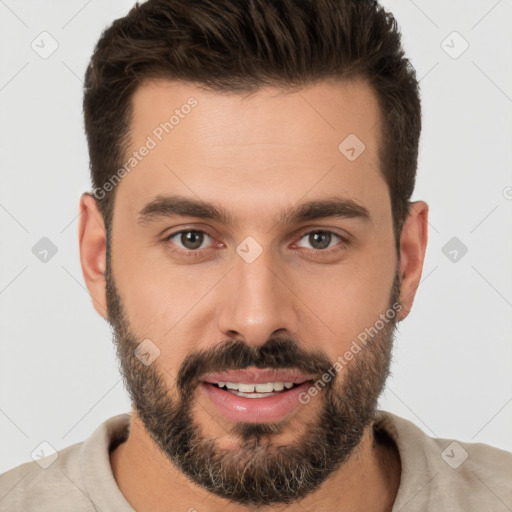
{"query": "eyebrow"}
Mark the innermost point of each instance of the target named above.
(162, 207)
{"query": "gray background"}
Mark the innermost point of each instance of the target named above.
(453, 358)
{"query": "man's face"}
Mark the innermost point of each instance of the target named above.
(262, 288)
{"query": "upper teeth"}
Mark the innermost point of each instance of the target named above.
(259, 388)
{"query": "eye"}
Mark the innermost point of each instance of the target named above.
(190, 240)
(320, 240)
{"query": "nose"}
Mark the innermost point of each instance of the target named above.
(256, 302)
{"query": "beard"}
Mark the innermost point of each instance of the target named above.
(259, 472)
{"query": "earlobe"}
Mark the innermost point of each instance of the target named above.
(92, 241)
(413, 245)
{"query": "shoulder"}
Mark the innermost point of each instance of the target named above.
(446, 473)
(78, 477)
(52, 479)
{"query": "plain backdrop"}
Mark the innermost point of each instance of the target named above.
(452, 366)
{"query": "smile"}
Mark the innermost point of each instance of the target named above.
(255, 390)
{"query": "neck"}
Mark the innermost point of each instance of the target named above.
(368, 480)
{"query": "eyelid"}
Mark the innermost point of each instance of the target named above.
(307, 233)
(186, 252)
(344, 239)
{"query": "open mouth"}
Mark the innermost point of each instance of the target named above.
(256, 390)
(250, 403)
(256, 395)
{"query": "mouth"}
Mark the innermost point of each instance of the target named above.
(261, 390)
(256, 395)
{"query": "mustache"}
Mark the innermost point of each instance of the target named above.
(282, 353)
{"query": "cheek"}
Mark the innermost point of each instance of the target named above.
(341, 302)
(166, 303)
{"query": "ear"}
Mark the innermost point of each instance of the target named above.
(413, 244)
(93, 257)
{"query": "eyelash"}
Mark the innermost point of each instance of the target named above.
(199, 252)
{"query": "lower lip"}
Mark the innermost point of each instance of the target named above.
(254, 410)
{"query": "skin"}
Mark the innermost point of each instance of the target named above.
(255, 155)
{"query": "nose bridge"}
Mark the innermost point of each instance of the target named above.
(255, 303)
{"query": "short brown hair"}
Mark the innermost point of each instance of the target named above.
(240, 46)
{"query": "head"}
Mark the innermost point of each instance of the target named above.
(240, 47)
(252, 167)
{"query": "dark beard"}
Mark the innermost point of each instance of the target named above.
(260, 472)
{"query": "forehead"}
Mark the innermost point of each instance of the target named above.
(254, 151)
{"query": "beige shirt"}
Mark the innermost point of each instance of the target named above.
(437, 474)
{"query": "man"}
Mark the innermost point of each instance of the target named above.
(251, 240)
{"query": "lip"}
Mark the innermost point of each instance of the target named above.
(255, 375)
(254, 410)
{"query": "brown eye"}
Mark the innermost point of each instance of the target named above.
(190, 240)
